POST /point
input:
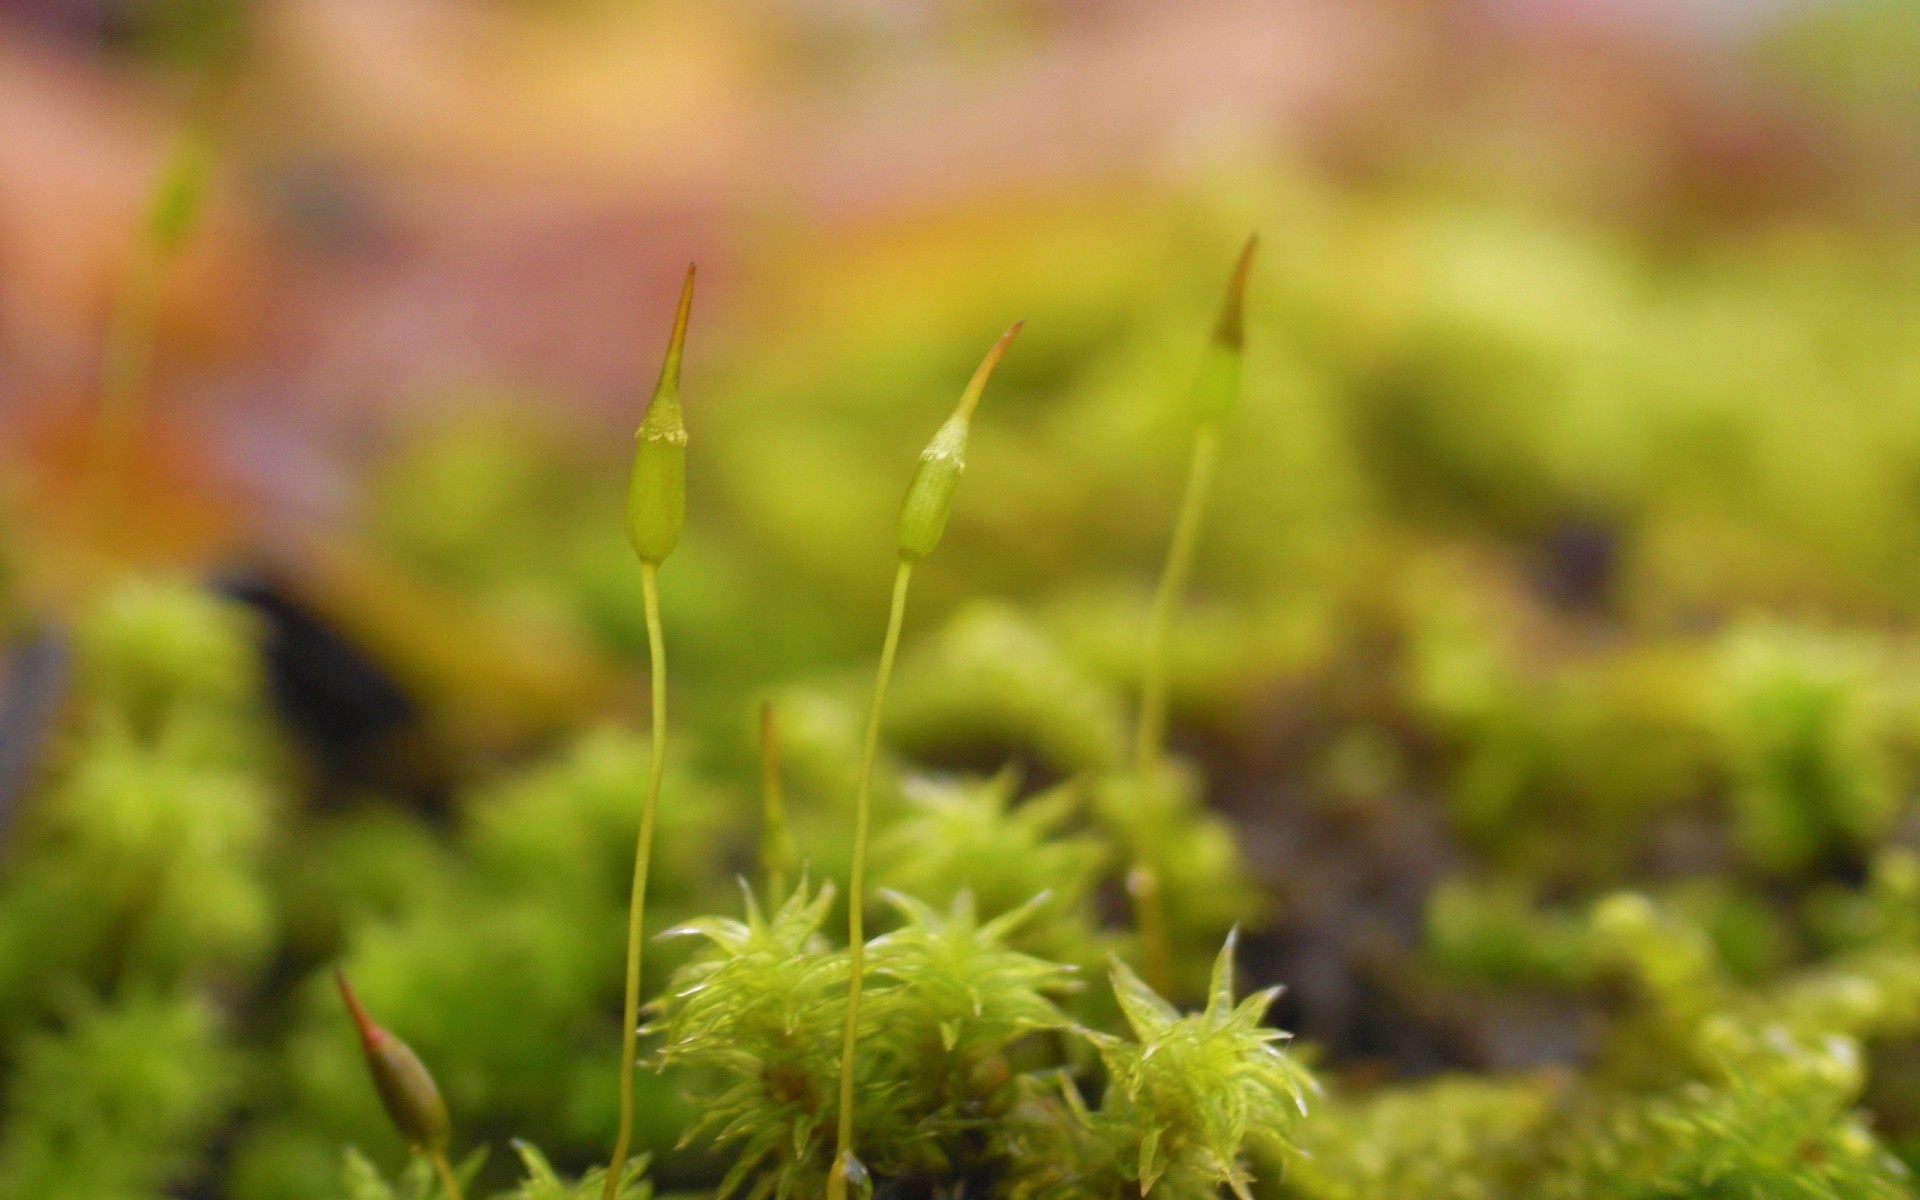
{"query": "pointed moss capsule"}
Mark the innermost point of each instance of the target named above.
(1218, 389)
(657, 491)
(923, 514)
(406, 1088)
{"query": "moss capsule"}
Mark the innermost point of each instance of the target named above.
(929, 501)
(406, 1087)
(657, 489)
(1218, 389)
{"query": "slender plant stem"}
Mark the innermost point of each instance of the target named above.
(857, 883)
(1151, 732)
(774, 843)
(642, 856)
(444, 1169)
(124, 382)
(1150, 736)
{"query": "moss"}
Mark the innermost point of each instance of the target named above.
(1551, 657)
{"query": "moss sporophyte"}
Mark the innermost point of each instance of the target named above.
(173, 205)
(655, 515)
(406, 1089)
(909, 1059)
(1215, 394)
(657, 487)
(923, 519)
(656, 512)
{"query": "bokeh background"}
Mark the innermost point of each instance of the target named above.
(1568, 537)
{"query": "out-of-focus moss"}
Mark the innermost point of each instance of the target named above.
(116, 1102)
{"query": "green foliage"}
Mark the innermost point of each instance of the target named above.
(1555, 769)
(496, 964)
(949, 1085)
(971, 838)
(114, 1104)
(361, 1180)
(993, 676)
(174, 669)
(759, 1009)
(542, 1183)
(135, 898)
(1454, 1138)
(945, 1001)
(1492, 933)
(1680, 833)
(144, 867)
(1753, 1094)
(1192, 850)
(1812, 770)
(951, 1003)
(1186, 1098)
(1884, 913)
(551, 831)
(1773, 1117)
(1192, 1090)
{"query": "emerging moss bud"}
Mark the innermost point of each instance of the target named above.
(1218, 389)
(406, 1088)
(657, 490)
(923, 514)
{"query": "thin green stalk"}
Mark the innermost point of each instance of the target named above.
(922, 522)
(857, 887)
(656, 515)
(444, 1169)
(1215, 394)
(642, 857)
(126, 370)
(1151, 734)
(776, 839)
(123, 389)
(1143, 881)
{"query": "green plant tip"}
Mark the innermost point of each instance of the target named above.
(929, 500)
(406, 1087)
(1217, 390)
(657, 491)
(179, 192)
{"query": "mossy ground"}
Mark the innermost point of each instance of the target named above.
(1543, 716)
